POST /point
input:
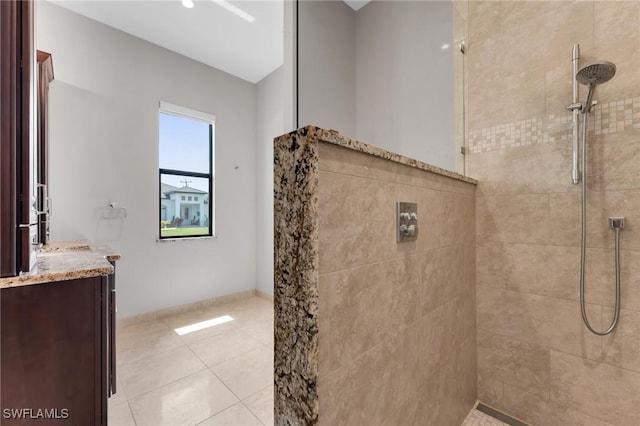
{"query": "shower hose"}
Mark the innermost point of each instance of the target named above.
(583, 245)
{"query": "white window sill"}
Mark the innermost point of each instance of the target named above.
(178, 240)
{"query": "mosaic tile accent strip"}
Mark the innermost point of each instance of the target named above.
(478, 418)
(612, 117)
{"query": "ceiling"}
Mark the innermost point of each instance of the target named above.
(207, 32)
(356, 4)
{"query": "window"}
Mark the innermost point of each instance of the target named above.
(186, 141)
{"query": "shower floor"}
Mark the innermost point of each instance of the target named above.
(478, 418)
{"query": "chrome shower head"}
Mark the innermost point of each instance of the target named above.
(592, 75)
(596, 73)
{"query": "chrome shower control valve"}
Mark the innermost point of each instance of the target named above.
(616, 222)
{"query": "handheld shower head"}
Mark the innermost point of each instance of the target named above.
(596, 73)
(592, 75)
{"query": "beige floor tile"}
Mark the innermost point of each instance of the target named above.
(251, 316)
(120, 415)
(138, 341)
(119, 397)
(262, 332)
(186, 402)
(163, 381)
(225, 346)
(261, 404)
(195, 317)
(238, 415)
(157, 370)
(247, 374)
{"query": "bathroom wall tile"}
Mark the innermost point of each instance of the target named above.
(522, 93)
(442, 275)
(513, 218)
(507, 171)
(442, 332)
(490, 390)
(514, 362)
(530, 408)
(551, 28)
(484, 19)
(334, 158)
(470, 268)
(445, 401)
(615, 30)
(436, 341)
(559, 86)
(415, 177)
(622, 347)
(464, 316)
(599, 390)
(544, 321)
(361, 231)
(462, 6)
(564, 226)
(515, 61)
(616, 23)
(337, 159)
(600, 278)
(614, 162)
(406, 372)
(443, 218)
(515, 14)
(517, 267)
(357, 393)
(359, 307)
(459, 137)
(625, 82)
(565, 213)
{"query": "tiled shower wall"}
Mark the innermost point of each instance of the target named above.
(396, 321)
(370, 331)
(536, 360)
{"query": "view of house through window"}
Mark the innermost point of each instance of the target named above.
(186, 172)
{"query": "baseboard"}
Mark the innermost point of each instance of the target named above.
(174, 310)
(264, 295)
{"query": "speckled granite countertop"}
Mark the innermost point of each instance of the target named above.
(66, 261)
(332, 136)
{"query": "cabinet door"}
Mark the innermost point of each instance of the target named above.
(16, 135)
(52, 351)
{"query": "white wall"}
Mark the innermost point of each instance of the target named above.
(404, 80)
(326, 66)
(270, 114)
(380, 75)
(104, 147)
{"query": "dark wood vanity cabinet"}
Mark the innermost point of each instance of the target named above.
(17, 83)
(57, 352)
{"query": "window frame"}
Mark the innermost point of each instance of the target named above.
(182, 112)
